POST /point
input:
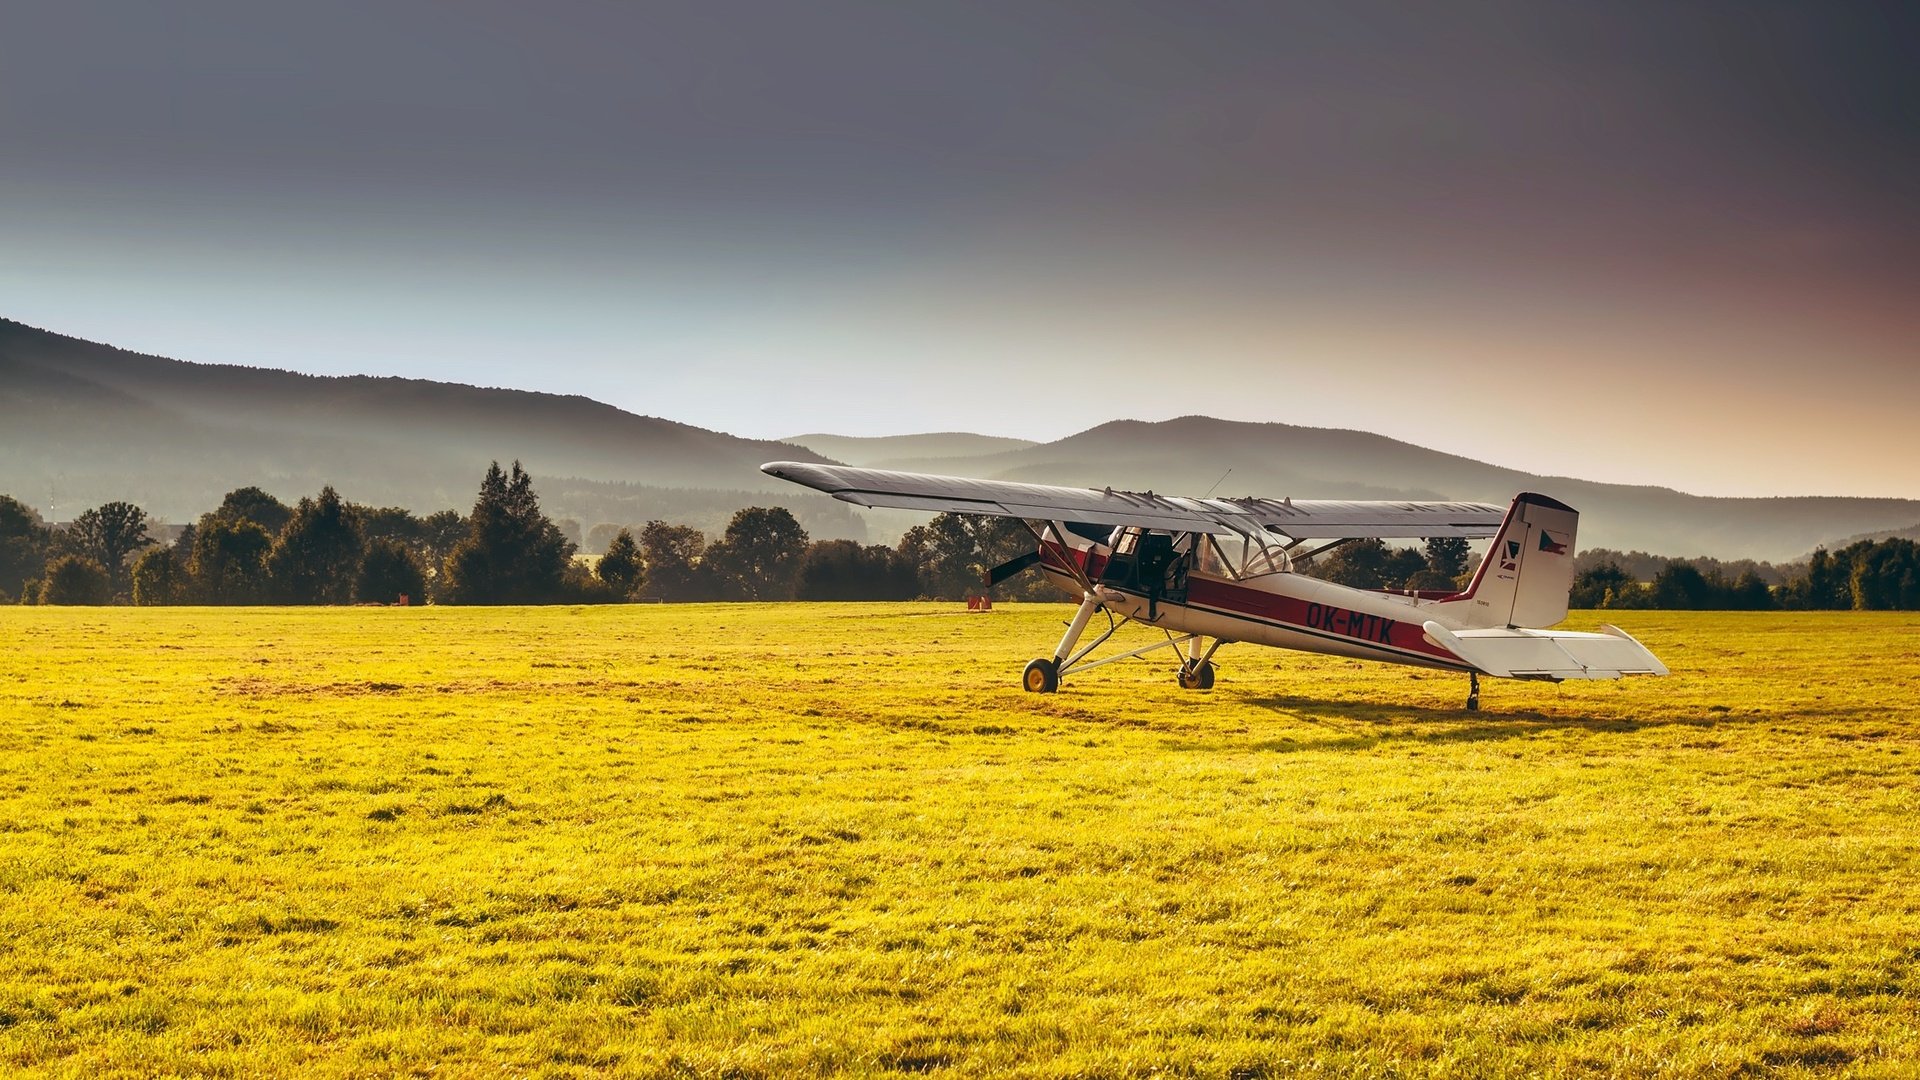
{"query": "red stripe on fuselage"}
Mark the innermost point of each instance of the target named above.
(1329, 620)
(1289, 612)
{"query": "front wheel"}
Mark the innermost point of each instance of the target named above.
(1041, 677)
(1197, 678)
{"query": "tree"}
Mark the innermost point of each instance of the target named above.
(159, 578)
(1885, 576)
(318, 553)
(107, 535)
(24, 539)
(673, 557)
(620, 567)
(953, 553)
(255, 505)
(1403, 565)
(386, 523)
(1681, 587)
(388, 571)
(758, 556)
(600, 536)
(1447, 556)
(75, 579)
(229, 563)
(512, 554)
(1827, 587)
(1358, 564)
(843, 570)
(1592, 586)
(1750, 592)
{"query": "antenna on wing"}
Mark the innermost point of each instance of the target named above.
(1217, 483)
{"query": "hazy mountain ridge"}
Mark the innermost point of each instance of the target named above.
(86, 423)
(893, 451)
(1187, 456)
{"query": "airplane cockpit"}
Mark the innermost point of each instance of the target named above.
(1157, 563)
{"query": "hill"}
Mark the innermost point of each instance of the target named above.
(1189, 455)
(88, 423)
(1910, 533)
(907, 451)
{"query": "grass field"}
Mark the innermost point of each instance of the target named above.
(794, 840)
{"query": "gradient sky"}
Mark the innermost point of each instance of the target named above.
(1667, 244)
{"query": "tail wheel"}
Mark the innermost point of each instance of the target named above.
(1197, 678)
(1041, 677)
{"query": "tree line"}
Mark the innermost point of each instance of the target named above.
(1867, 575)
(255, 549)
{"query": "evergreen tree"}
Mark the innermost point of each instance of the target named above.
(1447, 556)
(318, 553)
(512, 553)
(620, 567)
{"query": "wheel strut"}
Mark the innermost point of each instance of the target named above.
(1473, 691)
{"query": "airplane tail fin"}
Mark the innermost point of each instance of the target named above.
(1528, 570)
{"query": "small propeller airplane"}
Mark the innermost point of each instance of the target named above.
(1223, 569)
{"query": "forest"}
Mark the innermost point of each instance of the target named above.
(256, 549)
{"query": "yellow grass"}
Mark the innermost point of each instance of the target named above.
(793, 840)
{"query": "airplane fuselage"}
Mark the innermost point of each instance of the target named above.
(1285, 610)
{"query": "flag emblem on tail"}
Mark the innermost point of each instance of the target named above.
(1551, 546)
(1512, 561)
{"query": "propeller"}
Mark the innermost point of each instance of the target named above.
(1011, 567)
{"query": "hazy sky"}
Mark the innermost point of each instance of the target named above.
(1671, 244)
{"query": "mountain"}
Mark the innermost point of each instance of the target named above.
(1912, 532)
(86, 423)
(907, 453)
(1189, 455)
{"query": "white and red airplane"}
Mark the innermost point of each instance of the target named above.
(1222, 569)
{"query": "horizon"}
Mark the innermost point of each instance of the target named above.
(1635, 245)
(790, 439)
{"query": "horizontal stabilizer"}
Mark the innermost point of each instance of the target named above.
(1548, 654)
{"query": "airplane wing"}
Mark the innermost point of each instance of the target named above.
(1295, 519)
(1549, 654)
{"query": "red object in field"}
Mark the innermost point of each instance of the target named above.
(979, 603)
(403, 600)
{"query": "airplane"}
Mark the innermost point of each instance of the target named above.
(1225, 570)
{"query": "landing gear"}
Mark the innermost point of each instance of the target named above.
(1041, 677)
(1196, 676)
(1070, 656)
(1473, 691)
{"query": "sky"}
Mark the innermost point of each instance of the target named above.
(1643, 243)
